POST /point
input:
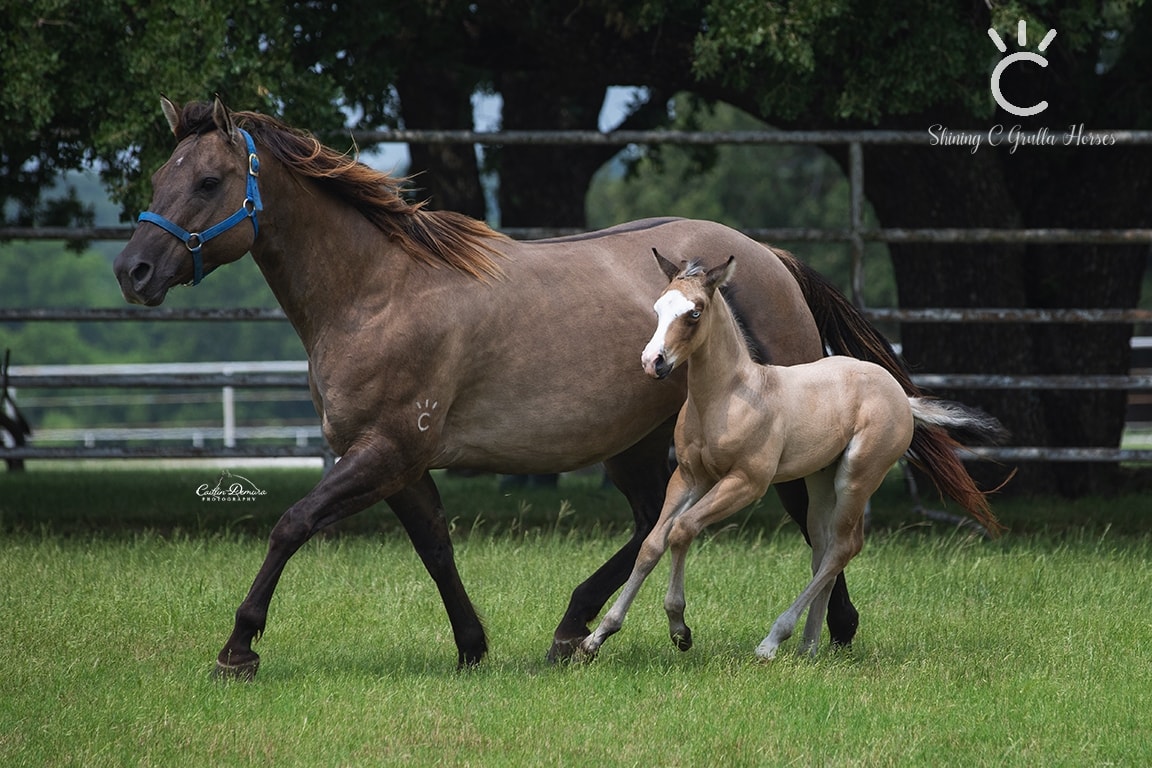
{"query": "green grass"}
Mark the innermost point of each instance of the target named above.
(116, 593)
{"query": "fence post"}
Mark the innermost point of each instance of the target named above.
(228, 396)
(856, 214)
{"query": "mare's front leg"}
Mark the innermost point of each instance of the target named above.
(361, 478)
(421, 511)
(843, 618)
(642, 474)
(680, 496)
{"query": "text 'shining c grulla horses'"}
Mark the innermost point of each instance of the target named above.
(838, 423)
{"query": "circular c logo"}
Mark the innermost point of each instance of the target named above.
(1008, 106)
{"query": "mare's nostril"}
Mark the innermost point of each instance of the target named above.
(141, 272)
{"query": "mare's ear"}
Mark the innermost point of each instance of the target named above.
(223, 118)
(171, 114)
(719, 276)
(668, 268)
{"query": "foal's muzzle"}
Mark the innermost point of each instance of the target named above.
(658, 367)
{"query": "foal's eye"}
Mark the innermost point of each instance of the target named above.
(694, 314)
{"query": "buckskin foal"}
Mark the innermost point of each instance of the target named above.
(838, 423)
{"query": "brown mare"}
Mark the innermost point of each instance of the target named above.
(434, 341)
(838, 423)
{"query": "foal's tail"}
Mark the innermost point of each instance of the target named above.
(941, 427)
(845, 331)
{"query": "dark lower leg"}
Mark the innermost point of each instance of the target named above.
(421, 511)
(347, 489)
(641, 473)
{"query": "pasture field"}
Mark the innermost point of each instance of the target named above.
(117, 589)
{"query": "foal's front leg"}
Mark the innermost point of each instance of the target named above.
(727, 497)
(680, 495)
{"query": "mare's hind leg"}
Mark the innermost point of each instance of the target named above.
(641, 473)
(843, 618)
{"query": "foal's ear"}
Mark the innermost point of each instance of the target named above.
(668, 268)
(223, 117)
(171, 114)
(719, 276)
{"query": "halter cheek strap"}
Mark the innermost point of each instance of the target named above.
(194, 241)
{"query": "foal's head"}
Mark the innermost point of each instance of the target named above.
(680, 312)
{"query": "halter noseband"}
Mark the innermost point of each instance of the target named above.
(194, 241)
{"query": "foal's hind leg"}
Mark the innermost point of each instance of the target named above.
(837, 535)
(843, 618)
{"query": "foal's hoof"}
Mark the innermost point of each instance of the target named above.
(244, 673)
(564, 649)
(682, 640)
(582, 656)
(766, 651)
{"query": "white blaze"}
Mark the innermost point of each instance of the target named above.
(668, 307)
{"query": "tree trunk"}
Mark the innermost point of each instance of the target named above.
(543, 185)
(951, 187)
(446, 174)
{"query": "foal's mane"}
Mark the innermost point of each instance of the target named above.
(432, 237)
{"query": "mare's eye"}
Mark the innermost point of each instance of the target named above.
(209, 184)
(694, 314)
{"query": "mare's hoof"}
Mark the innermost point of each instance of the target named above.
(565, 649)
(244, 673)
(470, 660)
(682, 640)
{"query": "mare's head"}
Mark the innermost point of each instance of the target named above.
(207, 191)
(681, 313)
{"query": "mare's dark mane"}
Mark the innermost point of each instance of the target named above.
(433, 237)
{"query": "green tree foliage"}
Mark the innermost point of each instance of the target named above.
(81, 80)
(42, 274)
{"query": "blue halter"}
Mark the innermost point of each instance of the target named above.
(194, 241)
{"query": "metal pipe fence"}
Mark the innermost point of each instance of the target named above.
(856, 235)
